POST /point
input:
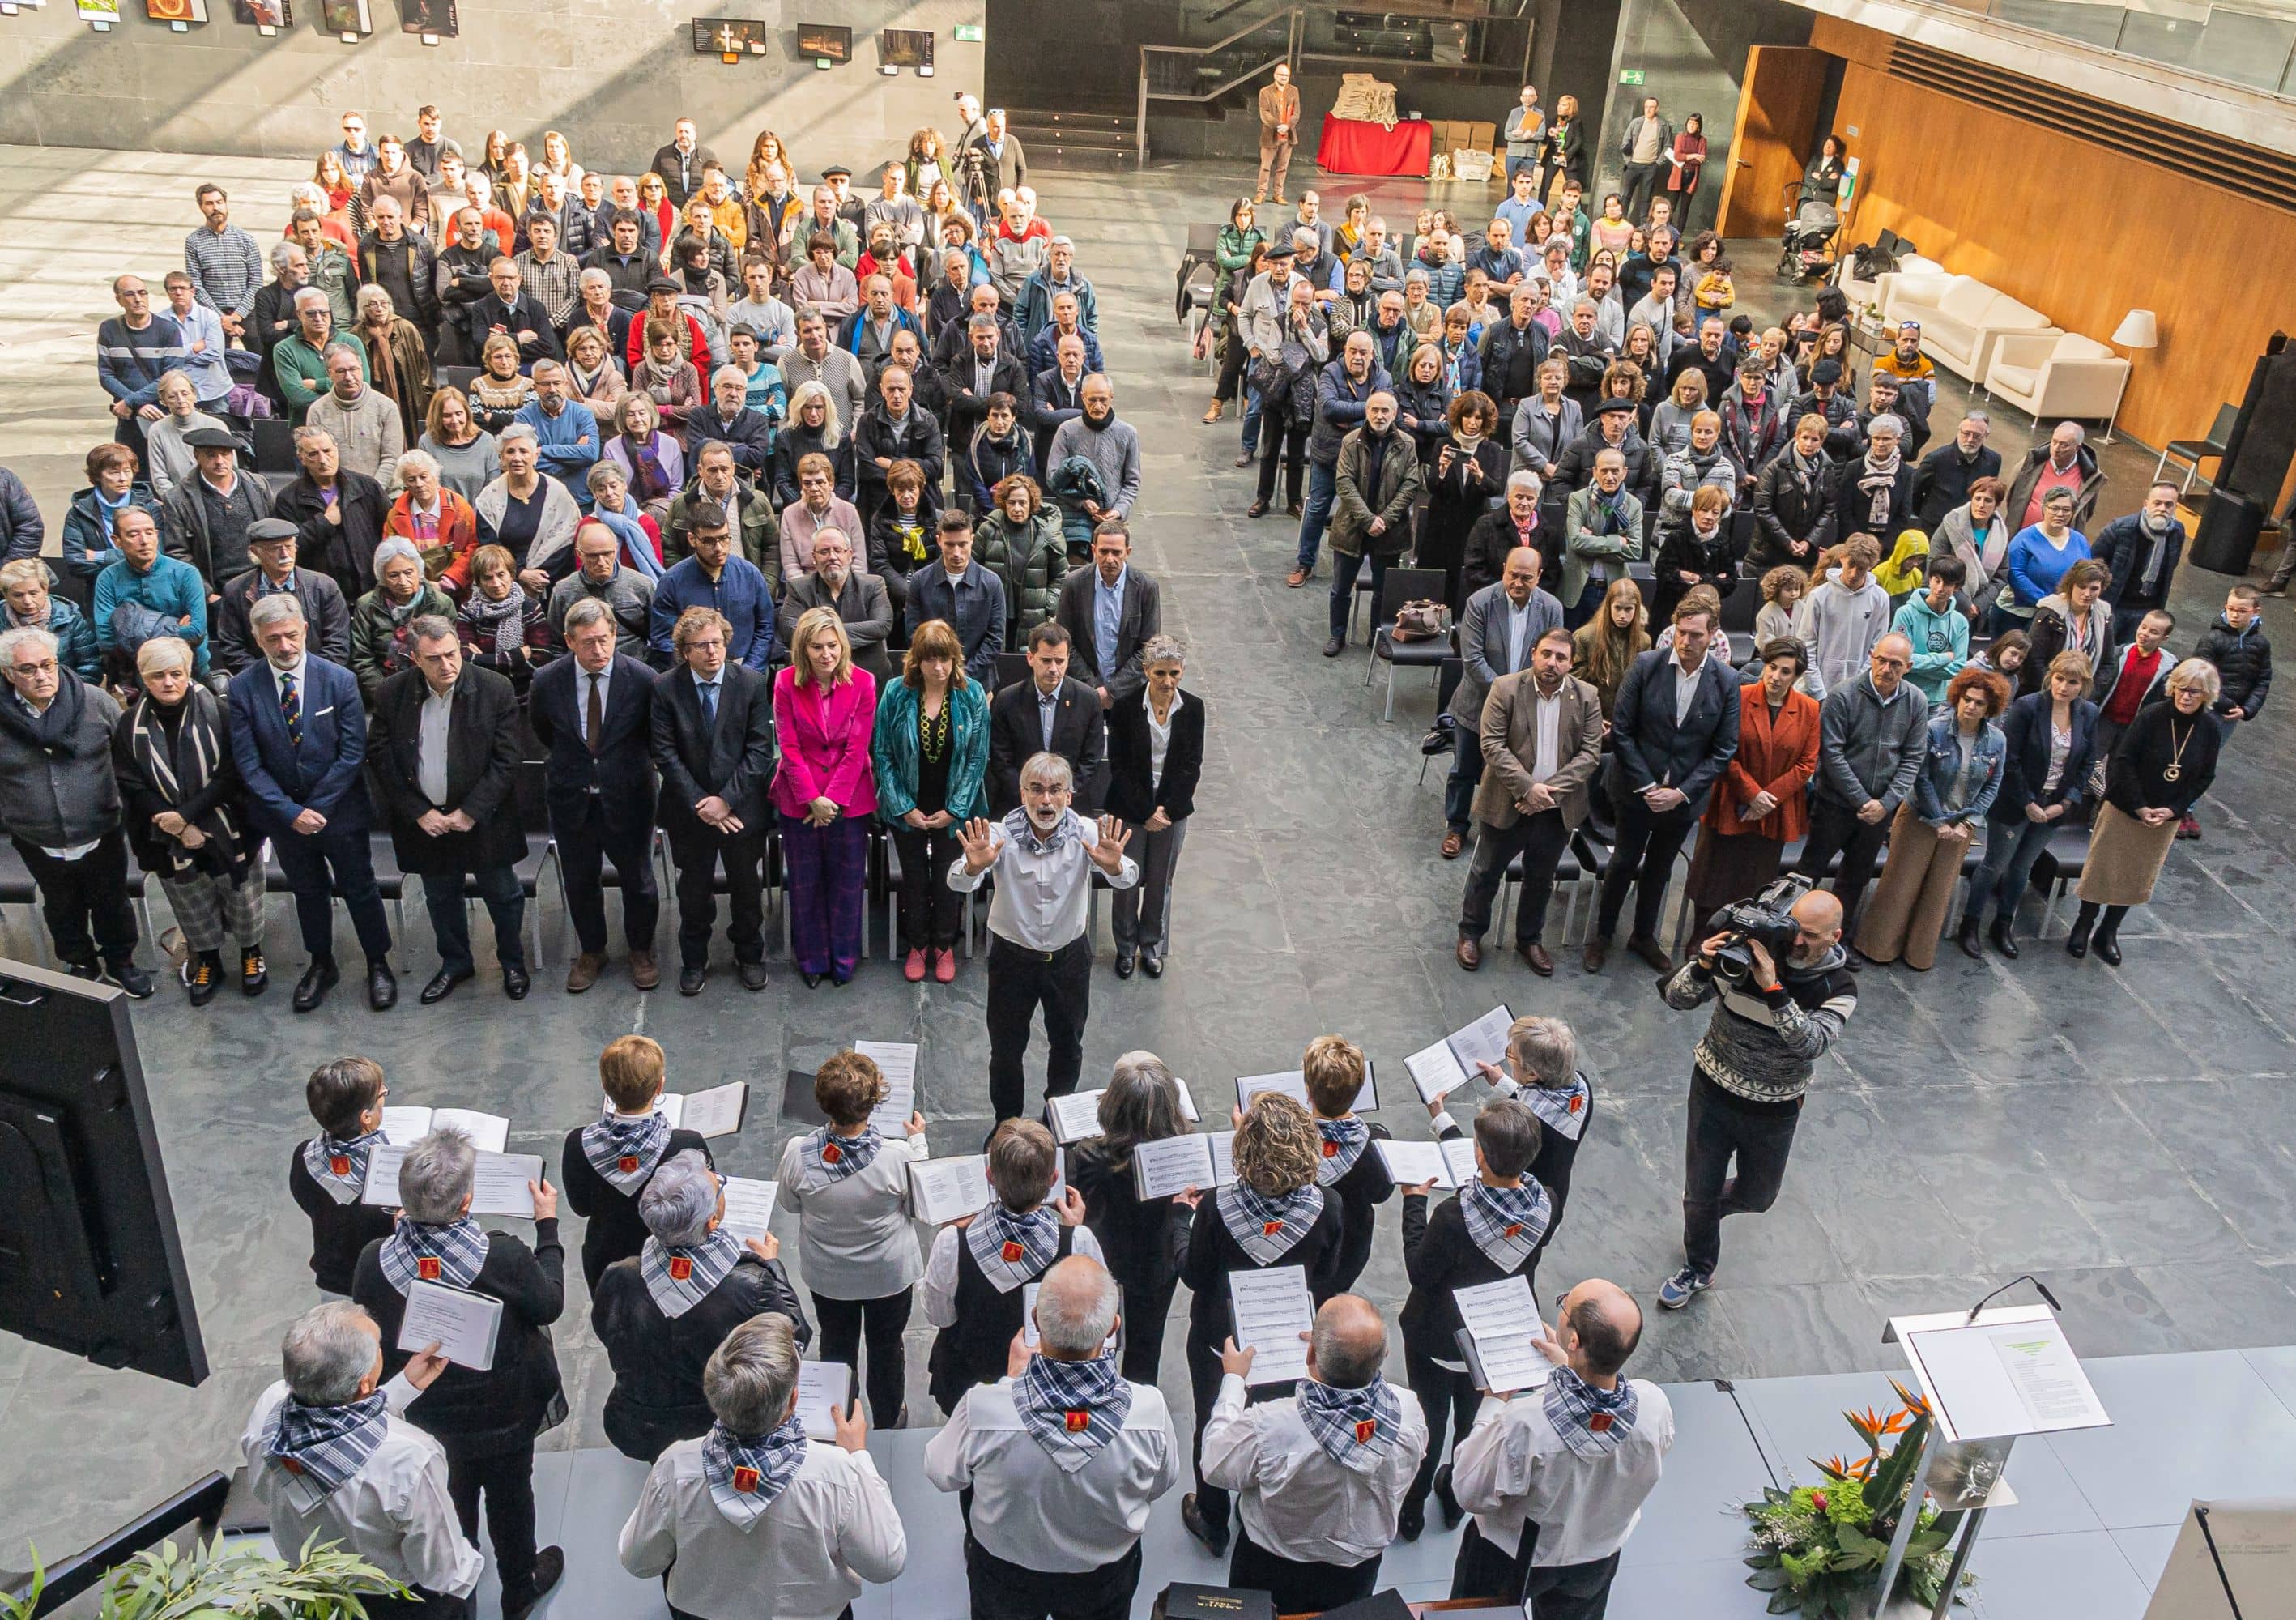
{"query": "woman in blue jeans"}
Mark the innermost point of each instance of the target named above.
(2052, 736)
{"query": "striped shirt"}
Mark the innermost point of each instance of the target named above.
(225, 267)
(129, 363)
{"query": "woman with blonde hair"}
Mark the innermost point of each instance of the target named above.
(557, 159)
(766, 151)
(2159, 770)
(931, 749)
(653, 461)
(498, 392)
(1938, 824)
(1605, 647)
(824, 789)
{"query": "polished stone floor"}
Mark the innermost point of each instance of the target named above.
(2124, 1135)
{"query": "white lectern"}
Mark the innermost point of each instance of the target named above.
(1988, 1377)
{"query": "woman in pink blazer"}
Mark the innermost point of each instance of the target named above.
(825, 792)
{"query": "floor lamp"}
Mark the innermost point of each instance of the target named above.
(2138, 329)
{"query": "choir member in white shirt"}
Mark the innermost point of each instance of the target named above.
(1556, 1477)
(331, 1453)
(1319, 1476)
(1064, 1458)
(754, 1521)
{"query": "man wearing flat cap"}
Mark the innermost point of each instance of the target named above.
(271, 547)
(204, 519)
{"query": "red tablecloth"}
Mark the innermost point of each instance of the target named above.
(1349, 147)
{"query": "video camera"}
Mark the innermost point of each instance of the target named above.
(1766, 919)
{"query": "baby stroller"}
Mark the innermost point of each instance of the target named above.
(1806, 251)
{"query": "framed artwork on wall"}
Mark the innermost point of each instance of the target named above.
(263, 13)
(434, 18)
(345, 18)
(103, 14)
(823, 42)
(730, 37)
(899, 48)
(182, 12)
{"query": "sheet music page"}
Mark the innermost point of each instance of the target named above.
(820, 1386)
(1187, 1101)
(1172, 1165)
(716, 1112)
(1503, 1320)
(405, 1127)
(1482, 1041)
(1075, 1117)
(1222, 1146)
(462, 1325)
(1273, 1311)
(1291, 1082)
(488, 1132)
(897, 1061)
(1435, 1070)
(1459, 1155)
(1409, 1163)
(382, 1175)
(748, 1206)
(941, 1190)
(498, 1184)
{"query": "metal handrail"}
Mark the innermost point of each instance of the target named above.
(1290, 14)
(1294, 28)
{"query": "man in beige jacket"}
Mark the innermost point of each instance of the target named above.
(1279, 131)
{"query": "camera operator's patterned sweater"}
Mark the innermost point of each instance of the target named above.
(1760, 1048)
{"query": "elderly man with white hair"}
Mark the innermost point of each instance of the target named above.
(661, 1312)
(1064, 1458)
(334, 1457)
(755, 1517)
(728, 420)
(485, 1420)
(363, 421)
(298, 364)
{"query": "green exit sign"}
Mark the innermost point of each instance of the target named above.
(1631, 76)
(968, 33)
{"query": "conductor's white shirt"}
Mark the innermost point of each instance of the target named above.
(1512, 1468)
(831, 1528)
(394, 1512)
(1041, 895)
(1026, 1511)
(1297, 1502)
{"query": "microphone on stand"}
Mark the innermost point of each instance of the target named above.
(2038, 1285)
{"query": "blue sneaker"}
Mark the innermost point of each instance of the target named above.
(1675, 1292)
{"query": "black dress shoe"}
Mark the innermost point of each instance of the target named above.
(1293, 509)
(2108, 949)
(1449, 1504)
(1257, 509)
(442, 984)
(2077, 941)
(549, 1565)
(1411, 1520)
(690, 980)
(2002, 939)
(130, 978)
(1152, 960)
(752, 975)
(1966, 937)
(1213, 1537)
(320, 977)
(382, 986)
(1124, 964)
(812, 979)
(515, 983)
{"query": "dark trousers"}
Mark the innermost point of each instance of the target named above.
(585, 844)
(450, 917)
(932, 914)
(1280, 436)
(1450, 1399)
(1146, 1310)
(1138, 916)
(1009, 1591)
(1641, 185)
(1466, 773)
(1018, 980)
(1298, 1588)
(1590, 600)
(1486, 1570)
(1643, 855)
(506, 1480)
(695, 854)
(1345, 567)
(1568, 1591)
(85, 900)
(1540, 840)
(1717, 1128)
(846, 1323)
(419, 1604)
(307, 862)
(1836, 827)
(828, 870)
(1205, 1374)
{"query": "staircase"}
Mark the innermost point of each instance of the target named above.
(1076, 139)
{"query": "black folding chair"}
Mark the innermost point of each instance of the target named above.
(274, 444)
(1404, 584)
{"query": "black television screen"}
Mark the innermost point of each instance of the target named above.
(90, 1260)
(821, 41)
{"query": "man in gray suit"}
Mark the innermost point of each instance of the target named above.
(1501, 624)
(859, 599)
(1542, 732)
(1110, 610)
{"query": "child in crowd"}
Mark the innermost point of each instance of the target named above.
(606, 1166)
(1937, 630)
(2237, 646)
(328, 1173)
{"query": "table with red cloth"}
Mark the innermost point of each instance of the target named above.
(1352, 147)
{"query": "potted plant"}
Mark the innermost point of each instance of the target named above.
(1818, 1549)
(205, 1583)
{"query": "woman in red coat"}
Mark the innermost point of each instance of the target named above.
(1761, 803)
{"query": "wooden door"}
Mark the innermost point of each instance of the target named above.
(1775, 133)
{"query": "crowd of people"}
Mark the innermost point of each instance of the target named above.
(1699, 581)
(733, 512)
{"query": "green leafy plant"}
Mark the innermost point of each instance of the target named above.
(241, 1580)
(1819, 1549)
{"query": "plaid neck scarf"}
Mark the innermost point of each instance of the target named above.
(1344, 1140)
(1560, 1108)
(1592, 1422)
(340, 1167)
(1072, 1408)
(1267, 1229)
(319, 1447)
(1022, 832)
(830, 1158)
(1355, 1427)
(680, 1279)
(624, 1150)
(1505, 1223)
(745, 1476)
(452, 1254)
(1013, 1249)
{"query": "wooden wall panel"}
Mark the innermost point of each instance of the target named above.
(2081, 234)
(1776, 130)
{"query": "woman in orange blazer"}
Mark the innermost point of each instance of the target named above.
(441, 522)
(1738, 853)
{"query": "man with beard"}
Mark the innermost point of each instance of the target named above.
(2141, 549)
(1941, 482)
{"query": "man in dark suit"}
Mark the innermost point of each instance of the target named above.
(443, 752)
(860, 600)
(679, 163)
(509, 310)
(594, 714)
(972, 378)
(960, 591)
(1673, 731)
(727, 420)
(713, 743)
(1047, 713)
(1110, 612)
(1056, 395)
(299, 739)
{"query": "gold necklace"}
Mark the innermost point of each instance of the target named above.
(2175, 767)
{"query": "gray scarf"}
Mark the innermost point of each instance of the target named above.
(2149, 580)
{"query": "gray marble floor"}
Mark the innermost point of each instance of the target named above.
(2126, 1135)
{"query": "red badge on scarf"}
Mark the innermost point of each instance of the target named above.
(831, 1152)
(746, 1480)
(340, 1165)
(1077, 1422)
(627, 1163)
(680, 1268)
(1012, 1251)
(427, 1268)
(292, 1466)
(1512, 1228)
(1268, 1228)
(1331, 1150)
(1599, 1423)
(1365, 1428)
(1577, 1103)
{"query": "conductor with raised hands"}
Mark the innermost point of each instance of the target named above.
(1044, 854)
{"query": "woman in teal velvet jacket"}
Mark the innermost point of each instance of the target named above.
(931, 749)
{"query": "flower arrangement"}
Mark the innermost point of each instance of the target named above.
(1817, 1549)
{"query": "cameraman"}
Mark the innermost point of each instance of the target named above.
(1750, 1070)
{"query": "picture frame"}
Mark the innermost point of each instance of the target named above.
(432, 19)
(264, 14)
(185, 12)
(103, 14)
(825, 42)
(730, 37)
(899, 48)
(345, 18)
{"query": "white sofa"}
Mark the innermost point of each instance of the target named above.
(1960, 318)
(2060, 377)
(1861, 293)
